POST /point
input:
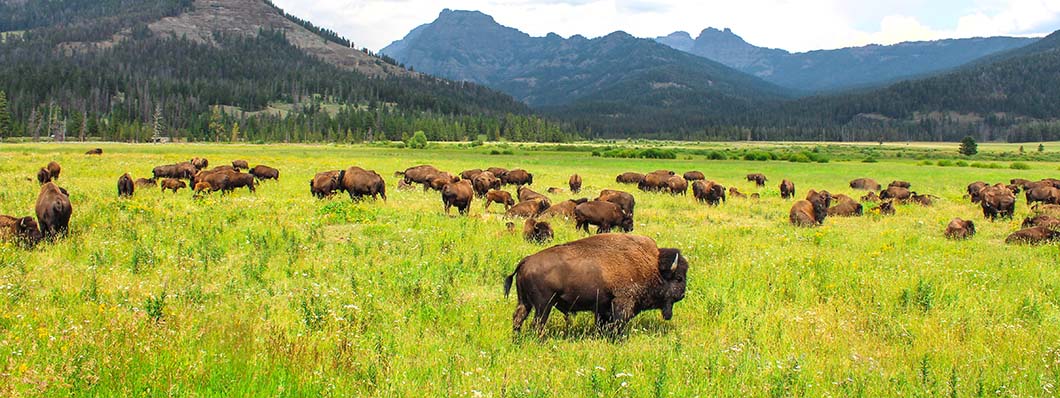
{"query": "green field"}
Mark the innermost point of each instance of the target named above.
(280, 294)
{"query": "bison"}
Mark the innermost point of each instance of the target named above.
(518, 177)
(43, 176)
(126, 187)
(241, 165)
(53, 210)
(694, 176)
(180, 171)
(870, 197)
(886, 208)
(23, 230)
(624, 200)
(923, 200)
(615, 276)
(960, 229)
(900, 184)
(866, 184)
(629, 178)
(677, 185)
(901, 194)
(484, 182)
(421, 174)
(845, 207)
(708, 191)
(263, 172)
(458, 194)
(537, 231)
(1046, 194)
(787, 189)
(812, 211)
(498, 171)
(1034, 236)
(54, 169)
(325, 183)
(238, 180)
(974, 189)
(604, 215)
(655, 181)
(575, 183)
(1041, 220)
(525, 194)
(173, 184)
(200, 163)
(94, 151)
(470, 174)
(563, 209)
(528, 208)
(997, 202)
(498, 196)
(733, 192)
(358, 183)
(145, 182)
(758, 178)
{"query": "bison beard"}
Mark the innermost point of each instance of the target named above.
(615, 276)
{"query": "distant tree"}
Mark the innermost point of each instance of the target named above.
(217, 126)
(74, 123)
(35, 123)
(91, 125)
(417, 141)
(235, 132)
(1041, 147)
(6, 129)
(1021, 150)
(968, 146)
(156, 128)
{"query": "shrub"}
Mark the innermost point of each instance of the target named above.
(799, 158)
(961, 163)
(417, 141)
(715, 155)
(870, 160)
(946, 163)
(1020, 166)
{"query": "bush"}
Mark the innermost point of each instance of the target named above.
(715, 155)
(961, 163)
(799, 158)
(945, 163)
(417, 141)
(926, 163)
(980, 165)
(870, 160)
(1020, 166)
(759, 156)
(650, 153)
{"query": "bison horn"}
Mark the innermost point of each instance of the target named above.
(674, 266)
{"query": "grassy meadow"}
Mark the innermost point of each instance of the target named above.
(280, 294)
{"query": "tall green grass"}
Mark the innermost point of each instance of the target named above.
(280, 294)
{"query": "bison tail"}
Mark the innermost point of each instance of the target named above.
(509, 279)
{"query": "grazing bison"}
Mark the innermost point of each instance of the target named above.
(575, 183)
(960, 229)
(758, 178)
(1034, 236)
(180, 171)
(54, 169)
(694, 176)
(624, 200)
(886, 208)
(173, 184)
(787, 189)
(1021, 182)
(458, 194)
(528, 208)
(239, 180)
(421, 174)
(563, 209)
(900, 184)
(974, 189)
(677, 185)
(439, 181)
(1041, 220)
(217, 180)
(484, 182)
(518, 177)
(708, 191)
(199, 163)
(497, 171)
(145, 182)
(604, 215)
(655, 181)
(470, 174)
(845, 207)
(1046, 194)
(615, 276)
(997, 202)
(241, 165)
(871, 197)
(95, 151)
(629, 178)
(53, 210)
(526, 194)
(537, 231)
(23, 230)
(324, 184)
(498, 196)
(866, 184)
(43, 176)
(262, 172)
(812, 211)
(358, 183)
(126, 187)
(901, 194)
(733, 192)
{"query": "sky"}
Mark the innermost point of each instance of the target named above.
(793, 25)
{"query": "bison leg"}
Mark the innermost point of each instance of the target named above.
(521, 312)
(541, 317)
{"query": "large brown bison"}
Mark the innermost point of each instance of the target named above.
(563, 209)
(172, 184)
(498, 172)
(1034, 236)
(458, 194)
(997, 202)
(866, 184)
(624, 200)
(470, 174)
(708, 191)
(43, 176)
(23, 230)
(900, 184)
(845, 207)
(604, 215)
(526, 194)
(53, 210)
(94, 151)
(758, 178)
(180, 171)
(1041, 220)
(518, 177)
(498, 196)
(484, 182)
(421, 174)
(263, 172)
(615, 276)
(537, 231)
(960, 229)
(325, 183)
(812, 211)
(787, 189)
(575, 183)
(656, 181)
(145, 182)
(440, 179)
(629, 178)
(359, 183)
(677, 185)
(54, 169)
(241, 165)
(901, 194)
(694, 176)
(239, 180)
(1046, 194)
(974, 189)
(528, 208)
(126, 187)
(199, 163)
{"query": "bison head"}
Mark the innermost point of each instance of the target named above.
(627, 222)
(673, 270)
(28, 232)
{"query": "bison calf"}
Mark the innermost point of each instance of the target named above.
(172, 184)
(502, 197)
(960, 229)
(604, 215)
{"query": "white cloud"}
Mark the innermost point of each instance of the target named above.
(796, 25)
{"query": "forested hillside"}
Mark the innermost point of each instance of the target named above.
(112, 69)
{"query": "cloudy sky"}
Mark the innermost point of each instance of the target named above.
(794, 25)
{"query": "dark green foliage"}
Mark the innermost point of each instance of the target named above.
(649, 153)
(5, 117)
(417, 141)
(968, 146)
